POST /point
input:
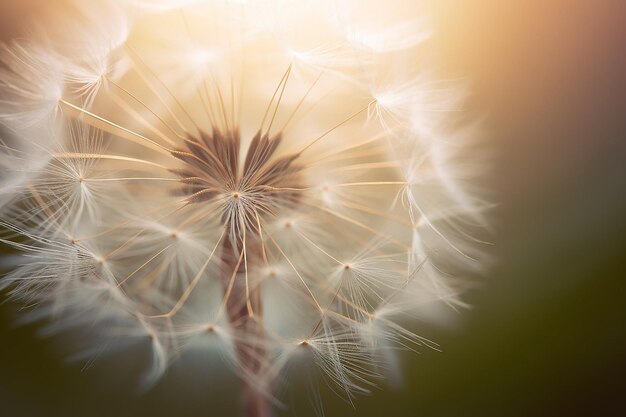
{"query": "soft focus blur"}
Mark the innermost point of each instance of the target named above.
(546, 333)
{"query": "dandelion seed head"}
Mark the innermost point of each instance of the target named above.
(267, 184)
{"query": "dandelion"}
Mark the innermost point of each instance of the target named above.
(277, 184)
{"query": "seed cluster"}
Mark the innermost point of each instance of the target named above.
(276, 185)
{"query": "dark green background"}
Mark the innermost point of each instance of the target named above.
(546, 334)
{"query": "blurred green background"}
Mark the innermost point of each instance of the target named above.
(546, 335)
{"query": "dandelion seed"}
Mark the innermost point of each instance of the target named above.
(254, 186)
